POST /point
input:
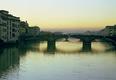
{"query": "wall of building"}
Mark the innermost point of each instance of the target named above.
(3, 29)
(9, 27)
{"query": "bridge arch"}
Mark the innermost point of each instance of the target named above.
(86, 39)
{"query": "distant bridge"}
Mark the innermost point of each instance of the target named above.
(86, 39)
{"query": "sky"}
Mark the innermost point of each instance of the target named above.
(64, 15)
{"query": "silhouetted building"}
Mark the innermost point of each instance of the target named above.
(33, 31)
(108, 31)
(9, 27)
(104, 32)
(23, 27)
(112, 30)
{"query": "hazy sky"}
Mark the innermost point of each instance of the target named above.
(61, 14)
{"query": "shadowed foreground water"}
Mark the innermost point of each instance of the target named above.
(32, 61)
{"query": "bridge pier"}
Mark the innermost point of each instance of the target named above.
(86, 46)
(66, 39)
(87, 42)
(51, 45)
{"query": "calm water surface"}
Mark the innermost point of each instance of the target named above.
(32, 61)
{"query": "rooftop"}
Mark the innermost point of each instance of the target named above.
(4, 11)
(9, 16)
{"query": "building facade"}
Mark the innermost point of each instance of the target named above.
(9, 27)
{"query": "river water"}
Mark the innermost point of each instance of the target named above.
(32, 61)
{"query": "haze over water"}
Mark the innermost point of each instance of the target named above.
(69, 62)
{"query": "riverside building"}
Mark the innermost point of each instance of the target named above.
(9, 27)
(108, 31)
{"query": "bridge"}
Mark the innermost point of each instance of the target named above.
(86, 39)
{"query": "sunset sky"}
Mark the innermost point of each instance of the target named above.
(67, 15)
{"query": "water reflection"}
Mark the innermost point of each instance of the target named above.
(25, 47)
(10, 58)
(52, 49)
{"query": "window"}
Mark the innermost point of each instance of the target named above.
(14, 25)
(13, 34)
(13, 30)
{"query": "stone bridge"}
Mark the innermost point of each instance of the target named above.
(86, 39)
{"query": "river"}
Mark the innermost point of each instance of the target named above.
(32, 61)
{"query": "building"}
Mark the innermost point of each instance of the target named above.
(104, 32)
(23, 28)
(108, 31)
(112, 30)
(33, 31)
(9, 27)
